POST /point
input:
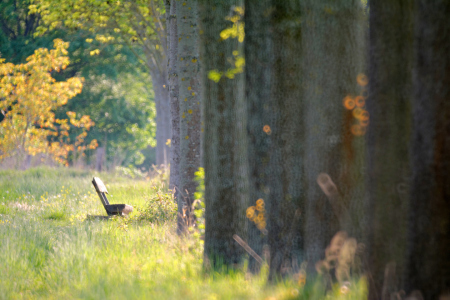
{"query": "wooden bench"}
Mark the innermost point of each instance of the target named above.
(111, 209)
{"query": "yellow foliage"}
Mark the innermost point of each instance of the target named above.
(357, 106)
(29, 96)
(94, 52)
(237, 30)
(256, 214)
(214, 75)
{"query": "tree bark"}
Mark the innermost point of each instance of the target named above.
(333, 57)
(286, 133)
(172, 32)
(163, 130)
(429, 220)
(99, 158)
(258, 91)
(224, 138)
(389, 106)
(190, 107)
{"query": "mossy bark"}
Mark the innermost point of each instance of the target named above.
(224, 138)
(190, 107)
(172, 54)
(286, 150)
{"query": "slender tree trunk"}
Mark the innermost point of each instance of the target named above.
(190, 107)
(332, 54)
(163, 128)
(429, 220)
(27, 162)
(389, 107)
(99, 158)
(224, 137)
(159, 126)
(167, 126)
(171, 8)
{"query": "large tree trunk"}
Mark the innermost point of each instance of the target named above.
(224, 138)
(389, 106)
(190, 107)
(333, 57)
(172, 33)
(429, 221)
(286, 132)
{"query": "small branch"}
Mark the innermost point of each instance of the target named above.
(328, 187)
(247, 248)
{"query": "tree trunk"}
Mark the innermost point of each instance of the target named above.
(224, 138)
(333, 57)
(389, 107)
(429, 220)
(190, 107)
(163, 130)
(27, 162)
(258, 90)
(171, 12)
(99, 158)
(286, 133)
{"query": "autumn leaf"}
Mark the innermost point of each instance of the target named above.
(29, 96)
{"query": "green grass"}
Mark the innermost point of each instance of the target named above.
(49, 251)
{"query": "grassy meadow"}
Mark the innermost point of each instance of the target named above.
(48, 250)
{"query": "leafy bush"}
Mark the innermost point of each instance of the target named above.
(161, 208)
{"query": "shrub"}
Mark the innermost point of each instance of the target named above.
(160, 208)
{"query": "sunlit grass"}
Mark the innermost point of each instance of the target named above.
(49, 251)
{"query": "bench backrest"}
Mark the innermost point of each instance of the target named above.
(101, 190)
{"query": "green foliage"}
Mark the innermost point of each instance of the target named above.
(200, 179)
(199, 203)
(124, 111)
(130, 172)
(236, 31)
(134, 23)
(16, 33)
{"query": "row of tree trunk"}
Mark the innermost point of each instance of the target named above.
(279, 133)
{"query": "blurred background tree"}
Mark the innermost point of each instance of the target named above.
(108, 70)
(29, 96)
(137, 26)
